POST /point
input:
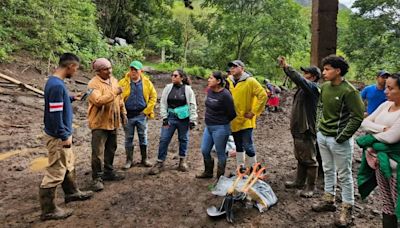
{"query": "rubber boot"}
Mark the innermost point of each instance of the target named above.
(157, 168)
(345, 216)
(250, 161)
(389, 221)
(183, 167)
(129, 158)
(300, 177)
(98, 185)
(327, 203)
(71, 190)
(312, 173)
(221, 169)
(49, 209)
(208, 169)
(143, 152)
(240, 159)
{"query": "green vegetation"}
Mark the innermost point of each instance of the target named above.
(169, 36)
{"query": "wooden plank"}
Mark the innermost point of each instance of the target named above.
(13, 80)
(80, 82)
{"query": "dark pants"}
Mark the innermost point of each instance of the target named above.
(244, 141)
(305, 150)
(104, 144)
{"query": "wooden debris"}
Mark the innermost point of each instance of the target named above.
(80, 82)
(15, 81)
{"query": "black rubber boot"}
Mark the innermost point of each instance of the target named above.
(143, 152)
(208, 169)
(221, 169)
(300, 177)
(312, 173)
(71, 190)
(129, 158)
(389, 221)
(49, 209)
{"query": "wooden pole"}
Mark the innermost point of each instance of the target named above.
(15, 81)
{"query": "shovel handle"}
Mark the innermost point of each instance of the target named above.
(258, 175)
(240, 174)
(255, 168)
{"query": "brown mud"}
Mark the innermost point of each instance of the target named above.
(171, 199)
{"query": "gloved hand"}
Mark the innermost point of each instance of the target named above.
(192, 125)
(165, 122)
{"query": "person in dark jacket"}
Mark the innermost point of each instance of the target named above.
(302, 126)
(220, 111)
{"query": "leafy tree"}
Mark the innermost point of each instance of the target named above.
(373, 38)
(256, 31)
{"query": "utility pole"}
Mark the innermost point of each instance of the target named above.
(324, 29)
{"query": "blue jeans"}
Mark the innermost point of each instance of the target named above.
(168, 131)
(337, 157)
(218, 135)
(139, 122)
(244, 141)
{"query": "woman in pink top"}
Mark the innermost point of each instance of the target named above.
(384, 125)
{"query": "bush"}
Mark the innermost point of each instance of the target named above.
(121, 57)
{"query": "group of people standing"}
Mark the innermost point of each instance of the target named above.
(324, 118)
(232, 105)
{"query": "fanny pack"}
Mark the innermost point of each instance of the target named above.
(182, 112)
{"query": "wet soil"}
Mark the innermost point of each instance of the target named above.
(171, 199)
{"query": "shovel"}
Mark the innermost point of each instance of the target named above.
(215, 212)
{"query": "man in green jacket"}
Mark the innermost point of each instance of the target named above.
(342, 114)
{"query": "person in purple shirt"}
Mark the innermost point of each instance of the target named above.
(374, 95)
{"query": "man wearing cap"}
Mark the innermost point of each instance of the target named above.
(374, 95)
(249, 98)
(302, 126)
(140, 98)
(106, 111)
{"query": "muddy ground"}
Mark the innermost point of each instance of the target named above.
(171, 199)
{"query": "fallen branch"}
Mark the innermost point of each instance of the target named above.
(80, 82)
(15, 81)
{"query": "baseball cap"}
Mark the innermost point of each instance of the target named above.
(312, 70)
(136, 64)
(383, 73)
(236, 63)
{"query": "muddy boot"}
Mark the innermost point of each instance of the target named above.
(312, 173)
(71, 190)
(344, 217)
(129, 158)
(300, 177)
(49, 209)
(157, 168)
(143, 151)
(183, 167)
(98, 185)
(113, 176)
(208, 169)
(221, 169)
(327, 203)
(389, 221)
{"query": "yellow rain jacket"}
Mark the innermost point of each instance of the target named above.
(149, 93)
(248, 96)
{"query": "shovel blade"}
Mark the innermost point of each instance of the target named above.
(214, 212)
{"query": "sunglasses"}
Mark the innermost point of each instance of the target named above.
(175, 75)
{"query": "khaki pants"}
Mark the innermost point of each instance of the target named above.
(61, 160)
(305, 150)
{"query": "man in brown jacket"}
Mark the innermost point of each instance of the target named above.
(106, 111)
